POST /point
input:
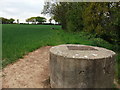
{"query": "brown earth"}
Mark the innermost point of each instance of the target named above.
(30, 72)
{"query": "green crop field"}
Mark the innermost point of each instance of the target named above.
(18, 40)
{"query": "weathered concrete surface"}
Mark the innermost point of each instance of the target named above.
(81, 66)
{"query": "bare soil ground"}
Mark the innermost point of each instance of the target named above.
(30, 72)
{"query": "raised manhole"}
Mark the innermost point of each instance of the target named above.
(71, 64)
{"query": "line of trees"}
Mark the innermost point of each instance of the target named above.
(99, 18)
(36, 20)
(7, 21)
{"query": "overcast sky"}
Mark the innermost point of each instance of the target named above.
(21, 9)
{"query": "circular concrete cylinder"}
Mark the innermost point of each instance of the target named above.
(81, 66)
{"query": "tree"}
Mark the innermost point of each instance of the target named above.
(50, 20)
(18, 21)
(100, 19)
(114, 22)
(74, 17)
(40, 19)
(34, 20)
(28, 20)
(11, 20)
(66, 13)
(4, 20)
(31, 19)
(7, 21)
(58, 11)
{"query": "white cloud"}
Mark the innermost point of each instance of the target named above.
(21, 9)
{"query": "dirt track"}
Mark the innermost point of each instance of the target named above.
(30, 72)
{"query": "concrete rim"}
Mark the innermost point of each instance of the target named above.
(98, 53)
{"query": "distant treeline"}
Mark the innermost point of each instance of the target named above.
(36, 20)
(32, 20)
(39, 24)
(40, 20)
(7, 21)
